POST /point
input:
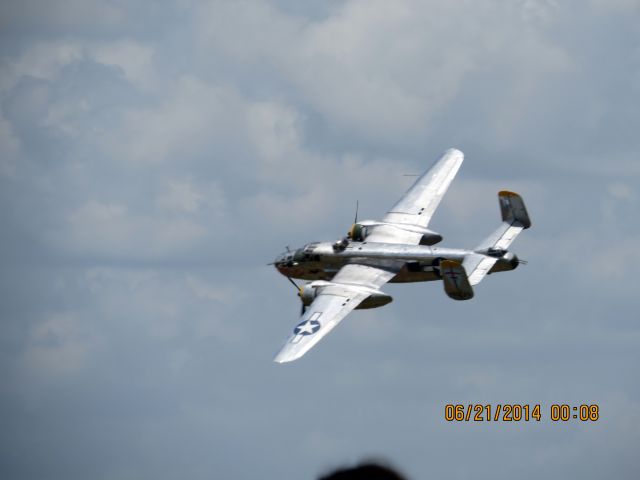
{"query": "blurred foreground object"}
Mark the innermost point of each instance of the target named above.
(369, 471)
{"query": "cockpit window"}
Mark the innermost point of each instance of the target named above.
(310, 247)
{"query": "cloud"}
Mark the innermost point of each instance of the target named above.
(182, 196)
(111, 230)
(61, 345)
(345, 70)
(134, 58)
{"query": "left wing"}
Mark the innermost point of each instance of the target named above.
(406, 222)
(351, 286)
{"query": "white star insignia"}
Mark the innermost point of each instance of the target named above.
(307, 328)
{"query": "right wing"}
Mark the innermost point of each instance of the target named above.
(415, 209)
(351, 286)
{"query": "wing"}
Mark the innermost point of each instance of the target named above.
(351, 286)
(418, 205)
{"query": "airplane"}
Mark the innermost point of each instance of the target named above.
(348, 274)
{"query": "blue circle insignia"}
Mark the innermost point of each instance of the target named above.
(308, 327)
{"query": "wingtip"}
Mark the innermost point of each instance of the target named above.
(285, 357)
(280, 359)
(455, 151)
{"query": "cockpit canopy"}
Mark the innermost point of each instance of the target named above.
(307, 253)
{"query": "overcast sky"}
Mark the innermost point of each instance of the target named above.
(156, 155)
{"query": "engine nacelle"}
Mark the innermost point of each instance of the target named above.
(430, 238)
(357, 232)
(375, 300)
(508, 261)
(307, 294)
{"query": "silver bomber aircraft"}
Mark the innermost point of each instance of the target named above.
(348, 274)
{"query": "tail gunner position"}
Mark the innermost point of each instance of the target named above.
(348, 274)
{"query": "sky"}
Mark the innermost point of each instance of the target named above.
(155, 156)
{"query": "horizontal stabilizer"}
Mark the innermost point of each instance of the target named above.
(478, 265)
(456, 283)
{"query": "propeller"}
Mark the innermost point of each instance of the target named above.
(303, 309)
(341, 244)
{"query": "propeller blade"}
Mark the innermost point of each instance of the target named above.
(294, 283)
(355, 220)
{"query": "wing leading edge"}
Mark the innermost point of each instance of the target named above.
(350, 287)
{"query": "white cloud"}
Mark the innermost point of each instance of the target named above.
(538, 10)
(135, 59)
(621, 191)
(193, 116)
(274, 131)
(62, 344)
(181, 196)
(111, 230)
(42, 60)
(387, 70)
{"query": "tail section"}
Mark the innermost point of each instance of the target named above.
(494, 248)
(514, 219)
(513, 210)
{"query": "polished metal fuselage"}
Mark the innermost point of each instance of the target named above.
(413, 263)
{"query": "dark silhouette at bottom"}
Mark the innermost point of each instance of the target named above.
(369, 471)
